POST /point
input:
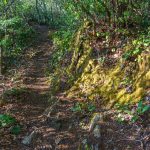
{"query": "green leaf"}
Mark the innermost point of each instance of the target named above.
(128, 111)
(146, 108)
(1, 116)
(6, 120)
(5, 2)
(16, 130)
(140, 104)
(136, 51)
(76, 108)
(91, 108)
(134, 118)
(126, 13)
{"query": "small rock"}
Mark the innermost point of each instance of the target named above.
(129, 89)
(1, 77)
(80, 70)
(57, 141)
(122, 66)
(96, 147)
(95, 119)
(96, 132)
(84, 141)
(28, 139)
(147, 98)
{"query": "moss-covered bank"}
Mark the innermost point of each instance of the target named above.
(128, 79)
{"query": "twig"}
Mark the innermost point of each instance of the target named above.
(141, 142)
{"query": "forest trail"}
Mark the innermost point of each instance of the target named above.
(29, 103)
(55, 125)
(34, 71)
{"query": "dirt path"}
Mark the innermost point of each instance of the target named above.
(61, 129)
(27, 104)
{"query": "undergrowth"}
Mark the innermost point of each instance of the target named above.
(16, 37)
(131, 113)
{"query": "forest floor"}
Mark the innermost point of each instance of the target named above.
(28, 104)
(54, 124)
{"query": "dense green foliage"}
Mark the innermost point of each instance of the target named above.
(9, 121)
(69, 15)
(15, 32)
(17, 19)
(122, 17)
(6, 120)
(131, 113)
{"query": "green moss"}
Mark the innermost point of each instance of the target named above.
(98, 80)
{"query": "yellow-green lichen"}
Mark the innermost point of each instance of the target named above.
(96, 79)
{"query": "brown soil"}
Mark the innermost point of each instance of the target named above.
(54, 132)
(62, 129)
